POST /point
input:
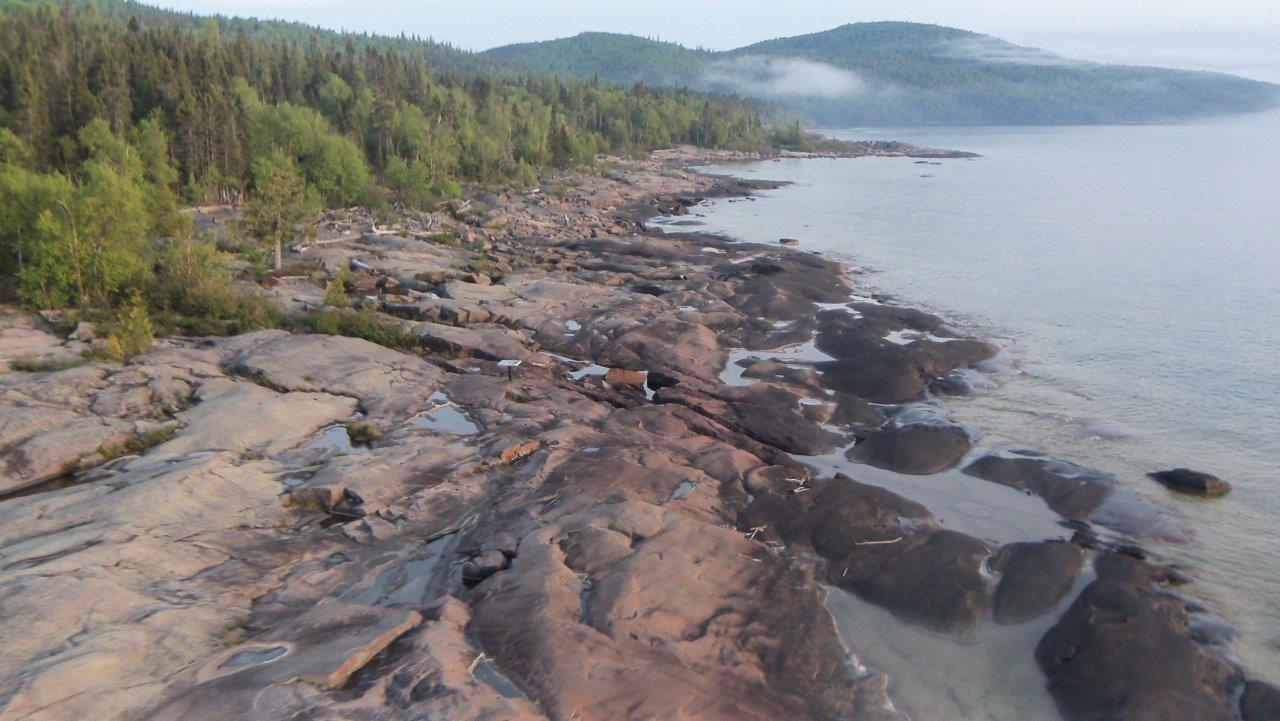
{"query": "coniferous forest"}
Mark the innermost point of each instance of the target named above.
(109, 124)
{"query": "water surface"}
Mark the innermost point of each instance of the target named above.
(1136, 273)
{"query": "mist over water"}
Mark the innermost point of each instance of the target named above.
(1135, 271)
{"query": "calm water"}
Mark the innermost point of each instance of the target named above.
(1136, 272)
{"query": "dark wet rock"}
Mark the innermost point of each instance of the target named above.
(649, 289)
(485, 565)
(1034, 578)
(766, 413)
(918, 449)
(786, 286)
(871, 367)
(1121, 652)
(1260, 702)
(892, 552)
(1072, 491)
(1185, 480)
(879, 375)
(855, 411)
(769, 415)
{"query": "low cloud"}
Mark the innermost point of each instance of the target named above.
(992, 50)
(773, 77)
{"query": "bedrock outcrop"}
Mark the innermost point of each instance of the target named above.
(302, 526)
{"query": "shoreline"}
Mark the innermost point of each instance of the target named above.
(642, 513)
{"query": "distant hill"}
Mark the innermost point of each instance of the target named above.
(888, 73)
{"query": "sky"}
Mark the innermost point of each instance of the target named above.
(1237, 36)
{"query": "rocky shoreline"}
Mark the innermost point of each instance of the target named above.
(629, 524)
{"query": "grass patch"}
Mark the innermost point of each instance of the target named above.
(355, 324)
(45, 365)
(139, 443)
(446, 239)
(363, 434)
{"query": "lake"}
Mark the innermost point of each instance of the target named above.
(1134, 273)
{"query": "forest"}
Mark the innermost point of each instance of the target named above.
(112, 122)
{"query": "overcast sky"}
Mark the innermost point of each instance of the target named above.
(1240, 36)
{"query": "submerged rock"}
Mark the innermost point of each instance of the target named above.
(1034, 578)
(894, 553)
(1072, 491)
(919, 449)
(1185, 480)
(1260, 702)
(1122, 653)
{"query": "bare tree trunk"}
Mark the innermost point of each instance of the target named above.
(279, 255)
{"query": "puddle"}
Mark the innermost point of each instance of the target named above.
(254, 656)
(839, 306)
(590, 370)
(963, 503)
(338, 439)
(682, 490)
(412, 582)
(933, 678)
(445, 417)
(487, 671)
(801, 354)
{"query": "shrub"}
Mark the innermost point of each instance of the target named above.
(335, 291)
(45, 365)
(355, 324)
(194, 282)
(130, 333)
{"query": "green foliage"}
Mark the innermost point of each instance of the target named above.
(349, 110)
(13, 150)
(363, 433)
(194, 289)
(357, 324)
(45, 365)
(139, 444)
(331, 164)
(280, 208)
(335, 291)
(79, 239)
(129, 333)
(112, 113)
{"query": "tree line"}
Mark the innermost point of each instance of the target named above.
(109, 125)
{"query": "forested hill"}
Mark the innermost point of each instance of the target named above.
(907, 73)
(223, 97)
(442, 56)
(111, 120)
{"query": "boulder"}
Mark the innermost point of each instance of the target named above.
(1121, 652)
(1185, 480)
(1260, 702)
(1034, 577)
(1072, 491)
(894, 553)
(917, 449)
